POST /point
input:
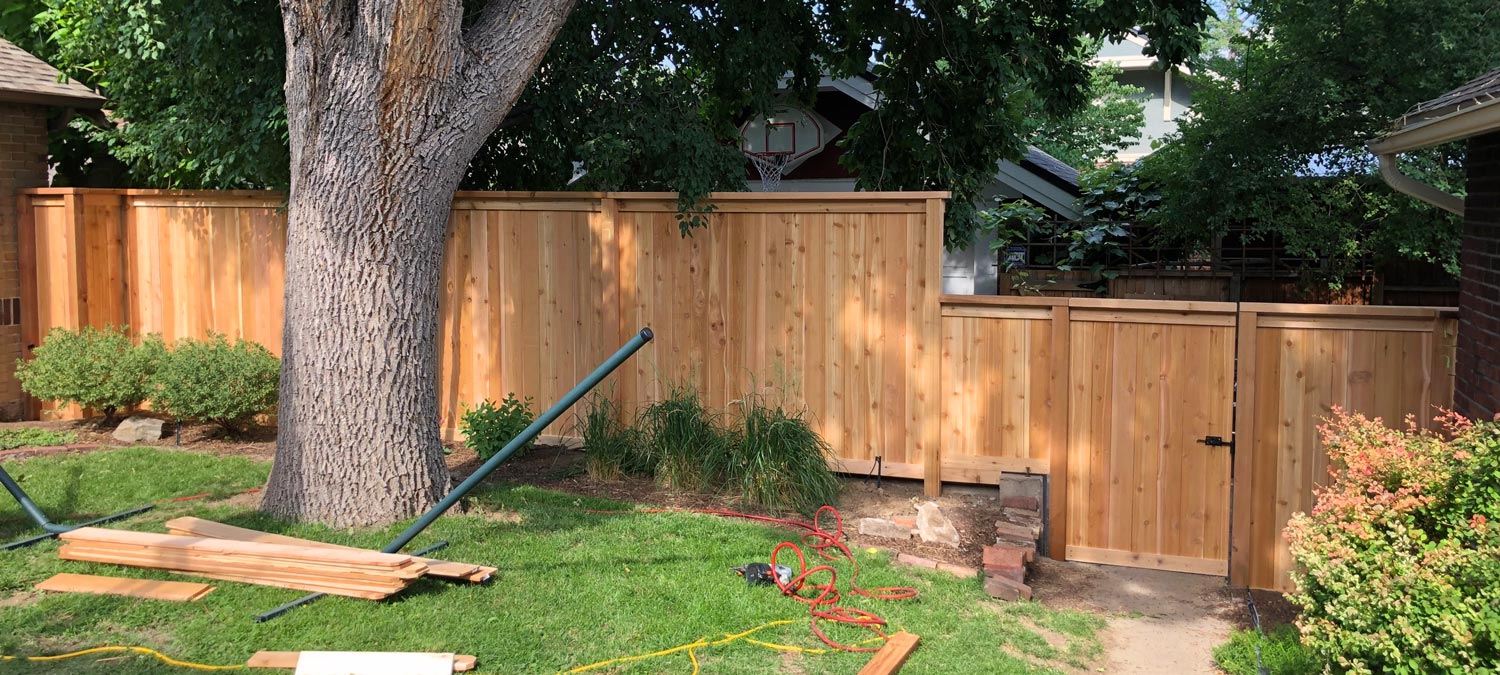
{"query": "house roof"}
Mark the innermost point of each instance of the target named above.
(1470, 110)
(27, 79)
(1053, 169)
(1479, 90)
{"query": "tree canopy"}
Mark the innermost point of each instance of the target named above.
(1282, 112)
(962, 84)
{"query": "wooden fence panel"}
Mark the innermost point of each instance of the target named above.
(1382, 362)
(829, 302)
(1148, 379)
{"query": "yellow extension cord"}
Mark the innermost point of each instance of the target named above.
(690, 648)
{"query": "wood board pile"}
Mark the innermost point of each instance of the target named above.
(349, 572)
(198, 527)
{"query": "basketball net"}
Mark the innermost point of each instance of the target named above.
(770, 167)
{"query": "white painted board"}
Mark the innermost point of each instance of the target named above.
(373, 663)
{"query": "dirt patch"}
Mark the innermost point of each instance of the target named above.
(256, 442)
(1159, 622)
(19, 599)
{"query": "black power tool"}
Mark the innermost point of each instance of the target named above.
(758, 574)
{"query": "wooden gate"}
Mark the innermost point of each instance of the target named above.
(1147, 382)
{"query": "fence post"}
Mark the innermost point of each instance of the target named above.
(31, 408)
(1243, 471)
(1057, 478)
(929, 349)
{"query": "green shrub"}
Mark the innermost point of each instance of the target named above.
(684, 437)
(1399, 561)
(99, 369)
(217, 382)
(776, 460)
(21, 437)
(612, 446)
(1281, 651)
(487, 427)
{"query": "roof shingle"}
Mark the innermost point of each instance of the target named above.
(27, 79)
(1484, 88)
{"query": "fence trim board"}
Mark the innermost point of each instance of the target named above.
(1104, 556)
(992, 312)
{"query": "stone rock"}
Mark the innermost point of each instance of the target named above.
(138, 429)
(935, 528)
(1014, 531)
(885, 529)
(1028, 546)
(908, 522)
(1006, 562)
(915, 561)
(1021, 485)
(1026, 502)
(958, 570)
(1002, 588)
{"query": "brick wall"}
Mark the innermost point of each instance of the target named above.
(1477, 392)
(23, 164)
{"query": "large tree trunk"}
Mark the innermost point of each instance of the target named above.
(387, 102)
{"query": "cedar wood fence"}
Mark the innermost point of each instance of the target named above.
(834, 297)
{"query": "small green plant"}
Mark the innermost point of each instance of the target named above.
(23, 437)
(612, 446)
(214, 381)
(488, 427)
(99, 369)
(776, 460)
(684, 438)
(1281, 652)
(1398, 564)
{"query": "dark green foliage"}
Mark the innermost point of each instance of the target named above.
(198, 85)
(217, 382)
(1097, 132)
(644, 95)
(488, 428)
(612, 445)
(29, 436)
(99, 369)
(1281, 652)
(776, 460)
(683, 438)
(1277, 140)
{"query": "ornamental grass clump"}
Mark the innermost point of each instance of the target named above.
(612, 447)
(1399, 561)
(775, 459)
(684, 438)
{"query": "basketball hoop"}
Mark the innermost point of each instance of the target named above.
(770, 166)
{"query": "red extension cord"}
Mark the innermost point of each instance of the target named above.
(824, 605)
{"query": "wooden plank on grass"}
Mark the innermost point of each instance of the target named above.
(181, 591)
(230, 547)
(208, 528)
(891, 657)
(461, 662)
(374, 663)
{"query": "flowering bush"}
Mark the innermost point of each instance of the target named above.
(1400, 558)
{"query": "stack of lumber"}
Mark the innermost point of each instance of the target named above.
(198, 527)
(350, 572)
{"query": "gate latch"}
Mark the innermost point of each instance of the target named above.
(1216, 442)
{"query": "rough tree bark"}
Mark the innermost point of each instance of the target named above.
(387, 103)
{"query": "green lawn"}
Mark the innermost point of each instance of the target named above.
(573, 589)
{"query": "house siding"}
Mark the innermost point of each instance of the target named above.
(1477, 392)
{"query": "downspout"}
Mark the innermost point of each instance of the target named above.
(1390, 172)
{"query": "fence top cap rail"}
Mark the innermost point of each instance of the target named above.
(516, 194)
(1369, 311)
(1002, 301)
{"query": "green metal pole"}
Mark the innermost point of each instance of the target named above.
(525, 437)
(29, 506)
